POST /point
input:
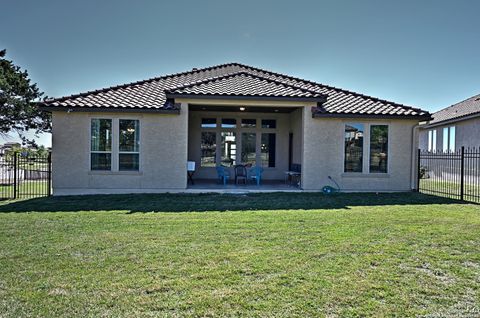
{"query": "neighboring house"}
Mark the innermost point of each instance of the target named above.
(138, 137)
(9, 146)
(453, 127)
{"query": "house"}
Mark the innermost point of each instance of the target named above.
(453, 127)
(138, 137)
(9, 146)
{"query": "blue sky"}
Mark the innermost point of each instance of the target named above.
(422, 53)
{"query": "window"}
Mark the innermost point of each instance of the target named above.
(353, 148)
(209, 122)
(451, 142)
(229, 149)
(432, 140)
(267, 151)
(128, 145)
(101, 144)
(229, 123)
(445, 139)
(449, 139)
(269, 123)
(230, 141)
(208, 148)
(249, 123)
(249, 148)
(378, 148)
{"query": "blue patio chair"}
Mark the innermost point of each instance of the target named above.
(256, 174)
(223, 174)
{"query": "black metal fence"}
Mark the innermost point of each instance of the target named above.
(454, 175)
(24, 175)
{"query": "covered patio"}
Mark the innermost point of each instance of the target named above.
(265, 138)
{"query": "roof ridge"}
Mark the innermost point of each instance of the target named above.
(233, 74)
(329, 87)
(152, 79)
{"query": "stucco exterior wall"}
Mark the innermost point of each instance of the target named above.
(467, 134)
(423, 139)
(163, 154)
(323, 156)
(296, 127)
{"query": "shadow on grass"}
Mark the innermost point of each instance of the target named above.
(140, 203)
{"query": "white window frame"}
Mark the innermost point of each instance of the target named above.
(432, 140)
(114, 153)
(452, 143)
(449, 144)
(445, 141)
(366, 149)
(112, 141)
(388, 147)
(364, 146)
(128, 152)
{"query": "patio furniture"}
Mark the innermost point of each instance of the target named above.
(190, 171)
(294, 175)
(256, 174)
(240, 173)
(223, 175)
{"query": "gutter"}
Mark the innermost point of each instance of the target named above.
(109, 109)
(375, 116)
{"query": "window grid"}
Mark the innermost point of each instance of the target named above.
(99, 126)
(240, 126)
(354, 158)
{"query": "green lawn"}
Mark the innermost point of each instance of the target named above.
(450, 189)
(264, 255)
(26, 189)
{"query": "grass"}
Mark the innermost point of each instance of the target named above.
(264, 255)
(450, 189)
(25, 189)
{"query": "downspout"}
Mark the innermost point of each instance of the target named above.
(413, 166)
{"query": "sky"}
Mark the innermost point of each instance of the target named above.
(420, 53)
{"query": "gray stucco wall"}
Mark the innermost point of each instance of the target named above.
(296, 127)
(163, 154)
(324, 156)
(467, 134)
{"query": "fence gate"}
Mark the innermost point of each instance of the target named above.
(24, 175)
(454, 175)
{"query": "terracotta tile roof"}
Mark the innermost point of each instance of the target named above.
(232, 79)
(468, 107)
(243, 84)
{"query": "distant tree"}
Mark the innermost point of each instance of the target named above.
(18, 96)
(42, 151)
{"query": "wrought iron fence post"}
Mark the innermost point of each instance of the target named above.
(49, 182)
(462, 174)
(15, 171)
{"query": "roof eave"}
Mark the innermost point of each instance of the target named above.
(51, 108)
(371, 116)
